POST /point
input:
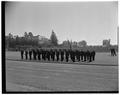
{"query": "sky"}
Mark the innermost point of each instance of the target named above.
(76, 21)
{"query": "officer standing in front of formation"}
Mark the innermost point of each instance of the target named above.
(26, 54)
(30, 53)
(22, 53)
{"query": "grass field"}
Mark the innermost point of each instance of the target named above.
(100, 75)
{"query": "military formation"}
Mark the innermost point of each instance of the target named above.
(65, 55)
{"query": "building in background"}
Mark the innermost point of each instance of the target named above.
(106, 43)
(82, 43)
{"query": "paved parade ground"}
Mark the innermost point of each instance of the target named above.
(26, 75)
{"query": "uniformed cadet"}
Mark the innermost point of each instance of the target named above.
(82, 55)
(34, 54)
(62, 55)
(44, 52)
(88, 55)
(48, 55)
(93, 55)
(73, 55)
(22, 53)
(42, 55)
(67, 55)
(70, 54)
(26, 54)
(30, 54)
(57, 54)
(38, 54)
(53, 54)
(78, 55)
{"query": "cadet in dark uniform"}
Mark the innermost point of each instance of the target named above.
(82, 55)
(26, 54)
(42, 51)
(38, 54)
(93, 55)
(88, 55)
(62, 55)
(52, 54)
(67, 55)
(22, 53)
(30, 53)
(57, 54)
(78, 55)
(73, 55)
(48, 55)
(34, 54)
(85, 55)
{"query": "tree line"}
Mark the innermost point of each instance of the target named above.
(28, 39)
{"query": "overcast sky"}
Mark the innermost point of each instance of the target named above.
(76, 21)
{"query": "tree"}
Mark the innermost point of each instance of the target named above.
(30, 34)
(82, 43)
(53, 38)
(25, 35)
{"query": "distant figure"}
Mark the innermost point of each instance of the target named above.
(113, 53)
(22, 53)
(57, 54)
(88, 56)
(34, 53)
(26, 54)
(38, 54)
(62, 55)
(67, 55)
(30, 53)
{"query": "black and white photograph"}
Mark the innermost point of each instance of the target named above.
(61, 47)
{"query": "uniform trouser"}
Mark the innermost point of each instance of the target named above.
(42, 57)
(48, 58)
(82, 57)
(90, 58)
(93, 57)
(21, 56)
(26, 57)
(78, 58)
(57, 57)
(30, 57)
(34, 57)
(85, 58)
(53, 57)
(66, 58)
(62, 58)
(73, 59)
(39, 57)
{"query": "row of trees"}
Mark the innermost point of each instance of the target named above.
(27, 40)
